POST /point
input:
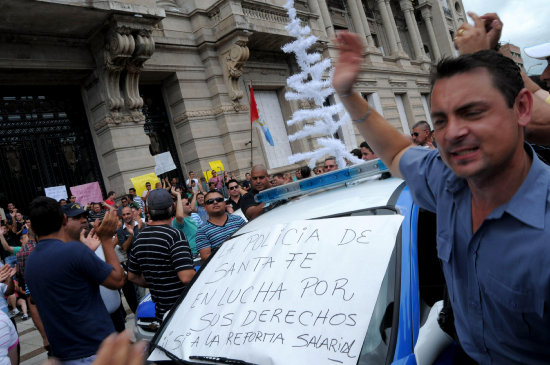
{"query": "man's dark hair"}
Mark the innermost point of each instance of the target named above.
(130, 197)
(330, 158)
(132, 189)
(422, 123)
(110, 193)
(232, 181)
(505, 73)
(96, 204)
(366, 145)
(356, 152)
(212, 192)
(161, 214)
(62, 200)
(305, 171)
(279, 175)
(46, 216)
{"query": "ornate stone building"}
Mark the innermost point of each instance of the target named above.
(92, 89)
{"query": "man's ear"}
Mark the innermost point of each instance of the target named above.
(65, 220)
(523, 106)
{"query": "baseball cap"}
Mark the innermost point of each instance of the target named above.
(540, 51)
(73, 209)
(159, 199)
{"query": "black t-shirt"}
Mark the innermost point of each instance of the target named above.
(247, 201)
(234, 205)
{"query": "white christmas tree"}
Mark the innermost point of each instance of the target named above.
(311, 84)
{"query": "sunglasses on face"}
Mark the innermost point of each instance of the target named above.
(187, 203)
(329, 166)
(415, 134)
(211, 201)
(233, 187)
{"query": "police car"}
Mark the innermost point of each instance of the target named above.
(401, 326)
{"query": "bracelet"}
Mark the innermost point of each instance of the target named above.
(349, 93)
(364, 117)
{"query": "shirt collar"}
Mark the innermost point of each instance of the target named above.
(124, 224)
(528, 204)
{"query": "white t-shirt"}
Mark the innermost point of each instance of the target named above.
(8, 338)
(110, 297)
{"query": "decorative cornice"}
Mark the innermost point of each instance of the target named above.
(222, 109)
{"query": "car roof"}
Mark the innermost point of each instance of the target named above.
(348, 198)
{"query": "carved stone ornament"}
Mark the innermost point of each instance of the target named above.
(119, 47)
(145, 46)
(126, 49)
(235, 58)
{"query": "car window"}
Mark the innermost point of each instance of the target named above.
(377, 339)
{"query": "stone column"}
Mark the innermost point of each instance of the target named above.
(325, 14)
(365, 21)
(427, 16)
(315, 9)
(395, 31)
(407, 9)
(387, 26)
(112, 101)
(356, 18)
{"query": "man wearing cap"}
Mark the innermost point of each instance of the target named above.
(160, 258)
(63, 277)
(77, 224)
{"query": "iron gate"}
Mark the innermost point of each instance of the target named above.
(45, 141)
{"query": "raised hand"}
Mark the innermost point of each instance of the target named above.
(483, 34)
(92, 241)
(350, 57)
(108, 226)
(6, 271)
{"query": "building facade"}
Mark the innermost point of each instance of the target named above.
(92, 90)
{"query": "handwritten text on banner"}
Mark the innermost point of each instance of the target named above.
(301, 293)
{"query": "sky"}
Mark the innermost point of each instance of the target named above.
(526, 23)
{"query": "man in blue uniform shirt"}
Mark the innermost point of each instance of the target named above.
(490, 193)
(63, 277)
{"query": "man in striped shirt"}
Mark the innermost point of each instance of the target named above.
(219, 226)
(160, 258)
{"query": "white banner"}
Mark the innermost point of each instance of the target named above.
(301, 293)
(56, 192)
(164, 163)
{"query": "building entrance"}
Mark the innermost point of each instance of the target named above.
(45, 141)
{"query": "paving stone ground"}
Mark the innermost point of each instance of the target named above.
(32, 348)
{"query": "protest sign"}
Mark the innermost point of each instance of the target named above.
(87, 193)
(56, 192)
(164, 163)
(139, 182)
(299, 293)
(216, 165)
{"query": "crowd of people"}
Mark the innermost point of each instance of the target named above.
(66, 263)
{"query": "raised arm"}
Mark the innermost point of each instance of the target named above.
(179, 206)
(384, 139)
(105, 233)
(4, 242)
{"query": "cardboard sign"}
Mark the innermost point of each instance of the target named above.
(300, 293)
(87, 193)
(216, 165)
(139, 182)
(163, 163)
(56, 192)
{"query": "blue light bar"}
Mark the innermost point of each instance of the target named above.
(323, 181)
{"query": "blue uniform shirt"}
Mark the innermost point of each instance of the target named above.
(499, 277)
(64, 280)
